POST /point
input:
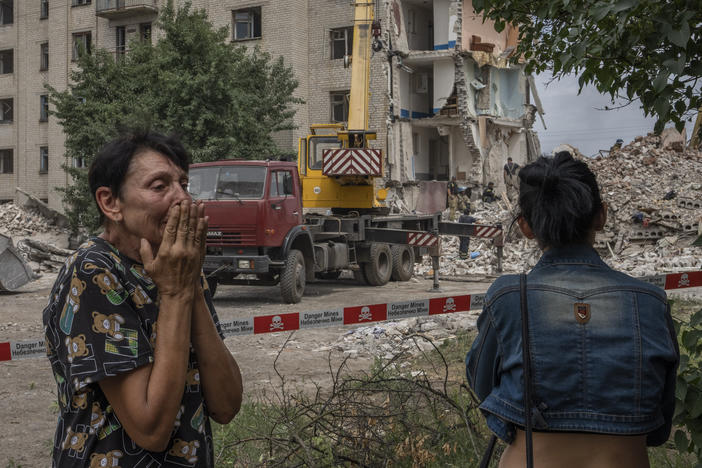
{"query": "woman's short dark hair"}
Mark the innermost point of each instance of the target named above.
(110, 166)
(559, 199)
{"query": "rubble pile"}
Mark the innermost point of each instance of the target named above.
(25, 226)
(17, 222)
(654, 190)
(653, 187)
(386, 340)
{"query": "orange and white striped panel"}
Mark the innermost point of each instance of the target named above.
(352, 161)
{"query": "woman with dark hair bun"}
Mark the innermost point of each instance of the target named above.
(601, 351)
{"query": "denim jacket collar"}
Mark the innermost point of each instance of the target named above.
(571, 254)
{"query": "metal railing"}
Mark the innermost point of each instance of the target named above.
(106, 5)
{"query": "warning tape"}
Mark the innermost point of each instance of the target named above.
(353, 315)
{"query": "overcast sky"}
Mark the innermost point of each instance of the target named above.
(573, 119)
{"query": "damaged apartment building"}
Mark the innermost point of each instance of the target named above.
(444, 100)
(460, 108)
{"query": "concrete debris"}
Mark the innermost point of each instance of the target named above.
(387, 340)
(39, 241)
(654, 196)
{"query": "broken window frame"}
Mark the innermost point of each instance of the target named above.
(43, 108)
(336, 99)
(7, 61)
(43, 159)
(43, 56)
(250, 19)
(120, 41)
(340, 42)
(7, 106)
(7, 161)
(145, 32)
(81, 43)
(7, 12)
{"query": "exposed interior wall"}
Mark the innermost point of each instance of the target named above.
(420, 154)
(444, 22)
(416, 91)
(508, 93)
(461, 158)
(436, 146)
(473, 25)
(418, 26)
(444, 72)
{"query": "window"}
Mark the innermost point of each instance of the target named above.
(339, 106)
(43, 159)
(6, 107)
(281, 184)
(79, 163)
(341, 42)
(80, 2)
(81, 43)
(145, 31)
(44, 60)
(7, 60)
(247, 23)
(7, 12)
(43, 108)
(6, 161)
(44, 13)
(121, 41)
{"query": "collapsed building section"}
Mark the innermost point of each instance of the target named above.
(458, 107)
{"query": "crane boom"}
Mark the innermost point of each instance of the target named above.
(337, 166)
(360, 71)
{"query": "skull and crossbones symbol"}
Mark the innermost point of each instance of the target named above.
(277, 323)
(684, 281)
(365, 314)
(450, 305)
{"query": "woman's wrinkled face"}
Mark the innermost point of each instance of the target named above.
(153, 184)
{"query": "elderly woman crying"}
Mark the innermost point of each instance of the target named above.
(132, 335)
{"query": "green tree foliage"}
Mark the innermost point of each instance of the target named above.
(688, 388)
(649, 50)
(223, 100)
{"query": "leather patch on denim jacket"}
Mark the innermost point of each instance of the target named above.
(582, 312)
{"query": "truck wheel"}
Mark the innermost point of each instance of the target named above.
(292, 279)
(360, 276)
(402, 262)
(212, 285)
(379, 269)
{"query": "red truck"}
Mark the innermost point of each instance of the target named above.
(258, 233)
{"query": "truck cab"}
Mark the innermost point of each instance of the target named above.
(255, 216)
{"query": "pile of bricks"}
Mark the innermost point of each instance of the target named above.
(26, 227)
(16, 221)
(653, 188)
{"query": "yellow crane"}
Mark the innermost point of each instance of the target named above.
(337, 166)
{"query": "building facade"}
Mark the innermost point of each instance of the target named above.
(442, 102)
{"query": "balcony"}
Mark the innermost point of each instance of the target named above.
(113, 9)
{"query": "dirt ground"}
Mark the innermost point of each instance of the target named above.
(28, 392)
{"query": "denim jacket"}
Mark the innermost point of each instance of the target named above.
(603, 347)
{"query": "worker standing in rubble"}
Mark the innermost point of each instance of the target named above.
(452, 194)
(464, 244)
(601, 352)
(511, 179)
(464, 199)
(132, 335)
